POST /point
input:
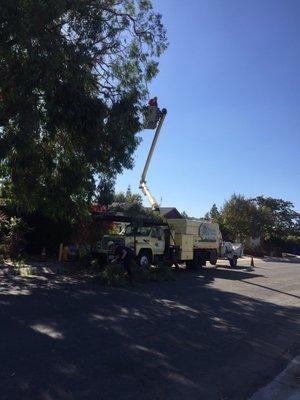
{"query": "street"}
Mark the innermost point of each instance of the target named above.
(213, 334)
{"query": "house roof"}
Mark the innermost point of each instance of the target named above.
(122, 218)
(166, 210)
(96, 209)
(169, 212)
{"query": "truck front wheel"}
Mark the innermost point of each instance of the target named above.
(144, 258)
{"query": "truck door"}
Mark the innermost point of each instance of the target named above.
(157, 236)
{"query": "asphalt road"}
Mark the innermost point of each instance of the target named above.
(213, 334)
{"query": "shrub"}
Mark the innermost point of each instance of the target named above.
(161, 273)
(14, 239)
(115, 275)
(254, 251)
(140, 274)
(292, 244)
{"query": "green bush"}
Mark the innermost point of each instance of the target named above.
(292, 244)
(2, 249)
(161, 273)
(16, 271)
(13, 236)
(254, 251)
(115, 275)
(140, 274)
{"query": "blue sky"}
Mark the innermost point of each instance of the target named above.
(230, 80)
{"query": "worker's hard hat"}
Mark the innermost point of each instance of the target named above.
(111, 243)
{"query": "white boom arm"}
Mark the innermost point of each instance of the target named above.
(143, 186)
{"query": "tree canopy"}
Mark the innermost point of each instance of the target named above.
(241, 217)
(274, 221)
(213, 214)
(128, 197)
(105, 191)
(73, 78)
(283, 220)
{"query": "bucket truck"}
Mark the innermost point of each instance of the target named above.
(177, 240)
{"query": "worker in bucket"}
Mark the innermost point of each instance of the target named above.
(153, 102)
(124, 255)
(153, 114)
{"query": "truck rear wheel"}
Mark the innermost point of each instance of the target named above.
(213, 257)
(190, 264)
(144, 258)
(197, 262)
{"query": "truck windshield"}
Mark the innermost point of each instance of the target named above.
(140, 231)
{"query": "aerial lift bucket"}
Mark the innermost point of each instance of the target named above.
(151, 117)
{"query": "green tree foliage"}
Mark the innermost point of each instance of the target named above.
(72, 81)
(273, 220)
(282, 220)
(292, 244)
(105, 190)
(214, 214)
(241, 218)
(12, 235)
(184, 214)
(128, 197)
(131, 205)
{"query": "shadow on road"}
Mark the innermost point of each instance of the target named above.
(273, 290)
(238, 273)
(67, 340)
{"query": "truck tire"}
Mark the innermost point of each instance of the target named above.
(197, 262)
(233, 262)
(201, 259)
(190, 264)
(144, 258)
(213, 257)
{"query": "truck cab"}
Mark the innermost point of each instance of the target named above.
(147, 242)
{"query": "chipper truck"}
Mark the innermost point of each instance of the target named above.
(174, 241)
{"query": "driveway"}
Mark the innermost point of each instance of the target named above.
(212, 334)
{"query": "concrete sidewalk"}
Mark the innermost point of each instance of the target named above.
(286, 385)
